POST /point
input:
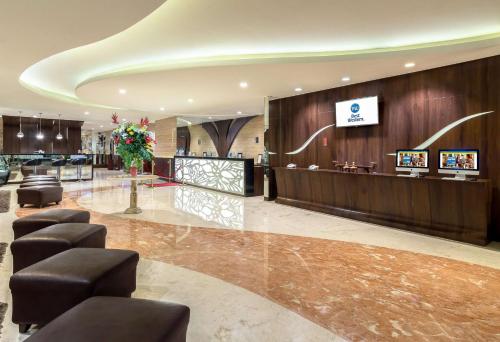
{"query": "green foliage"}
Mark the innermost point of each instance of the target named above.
(134, 143)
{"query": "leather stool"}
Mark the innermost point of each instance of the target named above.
(34, 222)
(58, 164)
(39, 195)
(44, 243)
(114, 319)
(47, 289)
(33, 162)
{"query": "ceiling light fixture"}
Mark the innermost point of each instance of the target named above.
(39, 135)
(122, 91)
(346, 79)
(162, 109)
(238, 112)
(210, 117)
(298, 89)
(59, 135)
(35, 116)
(190, 100)
(86, 113)
(409, 65)
(243, 84)
(124, 120)
(20, 134)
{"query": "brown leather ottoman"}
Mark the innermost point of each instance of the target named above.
(45, 290)
(39, 195)
(34, 247)
(113, 319)
(34, 222)
(39, 183)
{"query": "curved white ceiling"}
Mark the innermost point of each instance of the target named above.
(202, 49)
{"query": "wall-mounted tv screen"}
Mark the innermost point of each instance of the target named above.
(358, 112)
(412, 159)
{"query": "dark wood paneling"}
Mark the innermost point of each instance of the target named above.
(183, 139)
(450, 209)
(224, 132)
(71, 131)
(412, 108)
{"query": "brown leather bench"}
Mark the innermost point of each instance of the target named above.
(39, 183)
(39, 196)
(34, 222)
(113, 319)
(44, 243)
(47, 289)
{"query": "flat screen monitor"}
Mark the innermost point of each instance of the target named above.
(358, 112)
(459, 162)
(413, 161)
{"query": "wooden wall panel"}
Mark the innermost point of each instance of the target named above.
(71, 131)
(412, 108)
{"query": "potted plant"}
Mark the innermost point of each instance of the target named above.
(134, 143)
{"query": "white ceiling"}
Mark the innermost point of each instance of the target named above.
(203, 49)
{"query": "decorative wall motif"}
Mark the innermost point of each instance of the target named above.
(210, 206)
(217, 174)
(224, 132)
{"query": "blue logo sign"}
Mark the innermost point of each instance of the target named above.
(355, 108)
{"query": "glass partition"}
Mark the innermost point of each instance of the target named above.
(65, 167)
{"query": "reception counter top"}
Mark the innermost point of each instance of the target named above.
(231, 175)
(458, 210)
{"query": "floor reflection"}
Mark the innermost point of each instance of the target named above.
(211, 206)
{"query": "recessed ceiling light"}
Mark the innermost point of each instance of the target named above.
(298, 89)
(243, 84)
(346, 79)
(122, 91)
(35, 116)
(162, 109)
(86, 113)
(238, 112)
(101, 126)
(409, 65)
(124, 120)
(210, 117)
(190, 100)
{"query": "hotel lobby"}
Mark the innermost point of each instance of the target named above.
(189, 170)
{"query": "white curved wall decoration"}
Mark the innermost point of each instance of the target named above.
(444, 130)
(308, 141)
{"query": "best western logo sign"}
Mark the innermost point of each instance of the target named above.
(358, 112)
(355, 114)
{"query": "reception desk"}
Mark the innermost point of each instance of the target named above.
(458, 210)
(230, 175)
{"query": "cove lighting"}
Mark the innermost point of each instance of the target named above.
(122, 91)
(346, 79)
(298, 89)
(243, 84)
(409, 65)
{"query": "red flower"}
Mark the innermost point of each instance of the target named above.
(145, 122)
(129, 141)
(148, 139)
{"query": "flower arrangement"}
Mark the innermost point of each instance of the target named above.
(134, 142)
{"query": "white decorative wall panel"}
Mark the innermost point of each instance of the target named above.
(218, 174)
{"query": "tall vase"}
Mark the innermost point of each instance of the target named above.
(133, 171)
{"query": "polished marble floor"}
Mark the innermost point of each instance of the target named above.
(257, 271)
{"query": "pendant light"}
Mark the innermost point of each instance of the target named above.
(39, 136)
(20, 134)
(59, 135)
